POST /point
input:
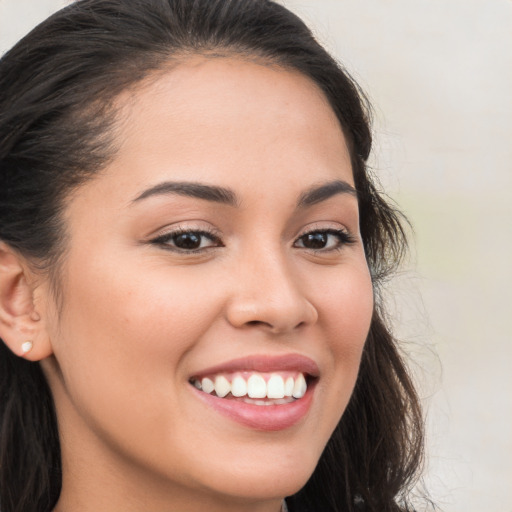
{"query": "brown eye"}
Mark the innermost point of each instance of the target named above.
(315, 240)
(326, 240)
(188, 241)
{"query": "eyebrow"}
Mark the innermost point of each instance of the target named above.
(191, 189)
(214, 193)
(317, 194)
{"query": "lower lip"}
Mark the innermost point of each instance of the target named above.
(261, 417)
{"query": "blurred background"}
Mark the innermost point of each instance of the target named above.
(439, 73)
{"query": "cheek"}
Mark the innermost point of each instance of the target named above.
(346, 305)
(129, 305)
(345, 313)
(133, 328)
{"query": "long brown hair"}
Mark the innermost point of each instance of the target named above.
(57, 87)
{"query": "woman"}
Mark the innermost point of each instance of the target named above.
(191, 251)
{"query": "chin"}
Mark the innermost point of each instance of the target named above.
(267, 484)
(260, 477)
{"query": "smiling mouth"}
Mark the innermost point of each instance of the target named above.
(258, 388)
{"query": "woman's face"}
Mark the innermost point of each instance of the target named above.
(221, 245)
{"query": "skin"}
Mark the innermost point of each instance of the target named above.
(139, 318)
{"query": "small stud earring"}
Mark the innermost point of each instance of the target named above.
(27, 347)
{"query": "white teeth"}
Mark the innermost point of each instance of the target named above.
(239, 386)
(256, 387)
(275, 387)
(300, 387)
(222, 386)
(288, 386)
(207, 385)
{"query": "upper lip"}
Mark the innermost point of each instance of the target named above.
(265, 363)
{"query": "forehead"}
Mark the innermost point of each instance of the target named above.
(229, 105)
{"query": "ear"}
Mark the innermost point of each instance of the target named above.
(22, 326)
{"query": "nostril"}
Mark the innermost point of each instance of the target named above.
(268, 325)
(257, 322)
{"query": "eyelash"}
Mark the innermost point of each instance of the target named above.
(343, 236)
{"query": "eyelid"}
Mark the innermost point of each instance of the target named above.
(325, 226)
(198, 226)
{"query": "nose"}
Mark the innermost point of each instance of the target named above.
(268, 294)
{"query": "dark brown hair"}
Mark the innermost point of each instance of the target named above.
(57, 91)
